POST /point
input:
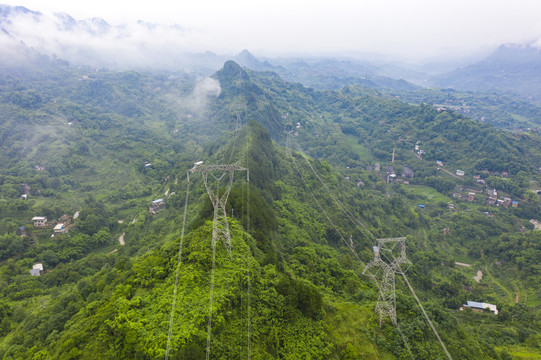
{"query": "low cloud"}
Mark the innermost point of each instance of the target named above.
(205, 89)
(196, 103)
(97, 43)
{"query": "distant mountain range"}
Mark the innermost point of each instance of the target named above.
(142, 45)
(511, 67)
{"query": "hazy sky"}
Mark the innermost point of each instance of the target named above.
(410, 28)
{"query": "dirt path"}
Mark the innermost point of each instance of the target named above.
(516, 297)
(479, 276)
(450, 173)
(462, 264)
(121, 239)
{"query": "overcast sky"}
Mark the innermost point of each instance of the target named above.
(407, 28)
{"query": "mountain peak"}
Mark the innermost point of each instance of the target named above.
(245, 52)
(248, 60)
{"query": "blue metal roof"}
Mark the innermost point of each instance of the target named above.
(475, 304)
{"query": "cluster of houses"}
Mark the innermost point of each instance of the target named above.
(390, 173)
(61, 226)
(468, 193)
(504, 202)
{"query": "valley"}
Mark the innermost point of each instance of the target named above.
(327, 179)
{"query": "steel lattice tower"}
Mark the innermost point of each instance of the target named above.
(220, 225)
(394, 252)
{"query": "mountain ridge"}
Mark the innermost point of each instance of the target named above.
(511, 67)
(134, 137)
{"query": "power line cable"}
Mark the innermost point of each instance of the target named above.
(179, 261)
(426, 316)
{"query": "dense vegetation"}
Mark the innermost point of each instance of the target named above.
(293, 287)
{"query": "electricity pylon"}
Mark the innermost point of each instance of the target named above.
(394, 252)
(220, 225)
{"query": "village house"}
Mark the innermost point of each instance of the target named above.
(446, 230)
(37, 269)
(473, 189)
(65, 219)
(59, 229)
(156, 206)
(536, 224)
(471, 196)
(514, 204)
(21, 231)
(506, 202)
(460, 172)
(480, 307)
(407, 172)
(390, 173)
(39, 221)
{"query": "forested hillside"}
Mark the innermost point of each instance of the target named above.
(303, 221)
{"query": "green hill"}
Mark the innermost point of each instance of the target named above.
(302, 228)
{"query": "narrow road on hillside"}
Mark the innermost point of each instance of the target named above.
(450, 173)
(121, 239)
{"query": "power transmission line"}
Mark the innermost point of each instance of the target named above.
(179, 261)
(220, 225)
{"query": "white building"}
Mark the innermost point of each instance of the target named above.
(479, 307)
(39, 221)
(37, 269)
(59, 228)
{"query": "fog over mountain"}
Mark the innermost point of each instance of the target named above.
(195, 39)
(511, 67)
(151, 45)
(98, 43)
